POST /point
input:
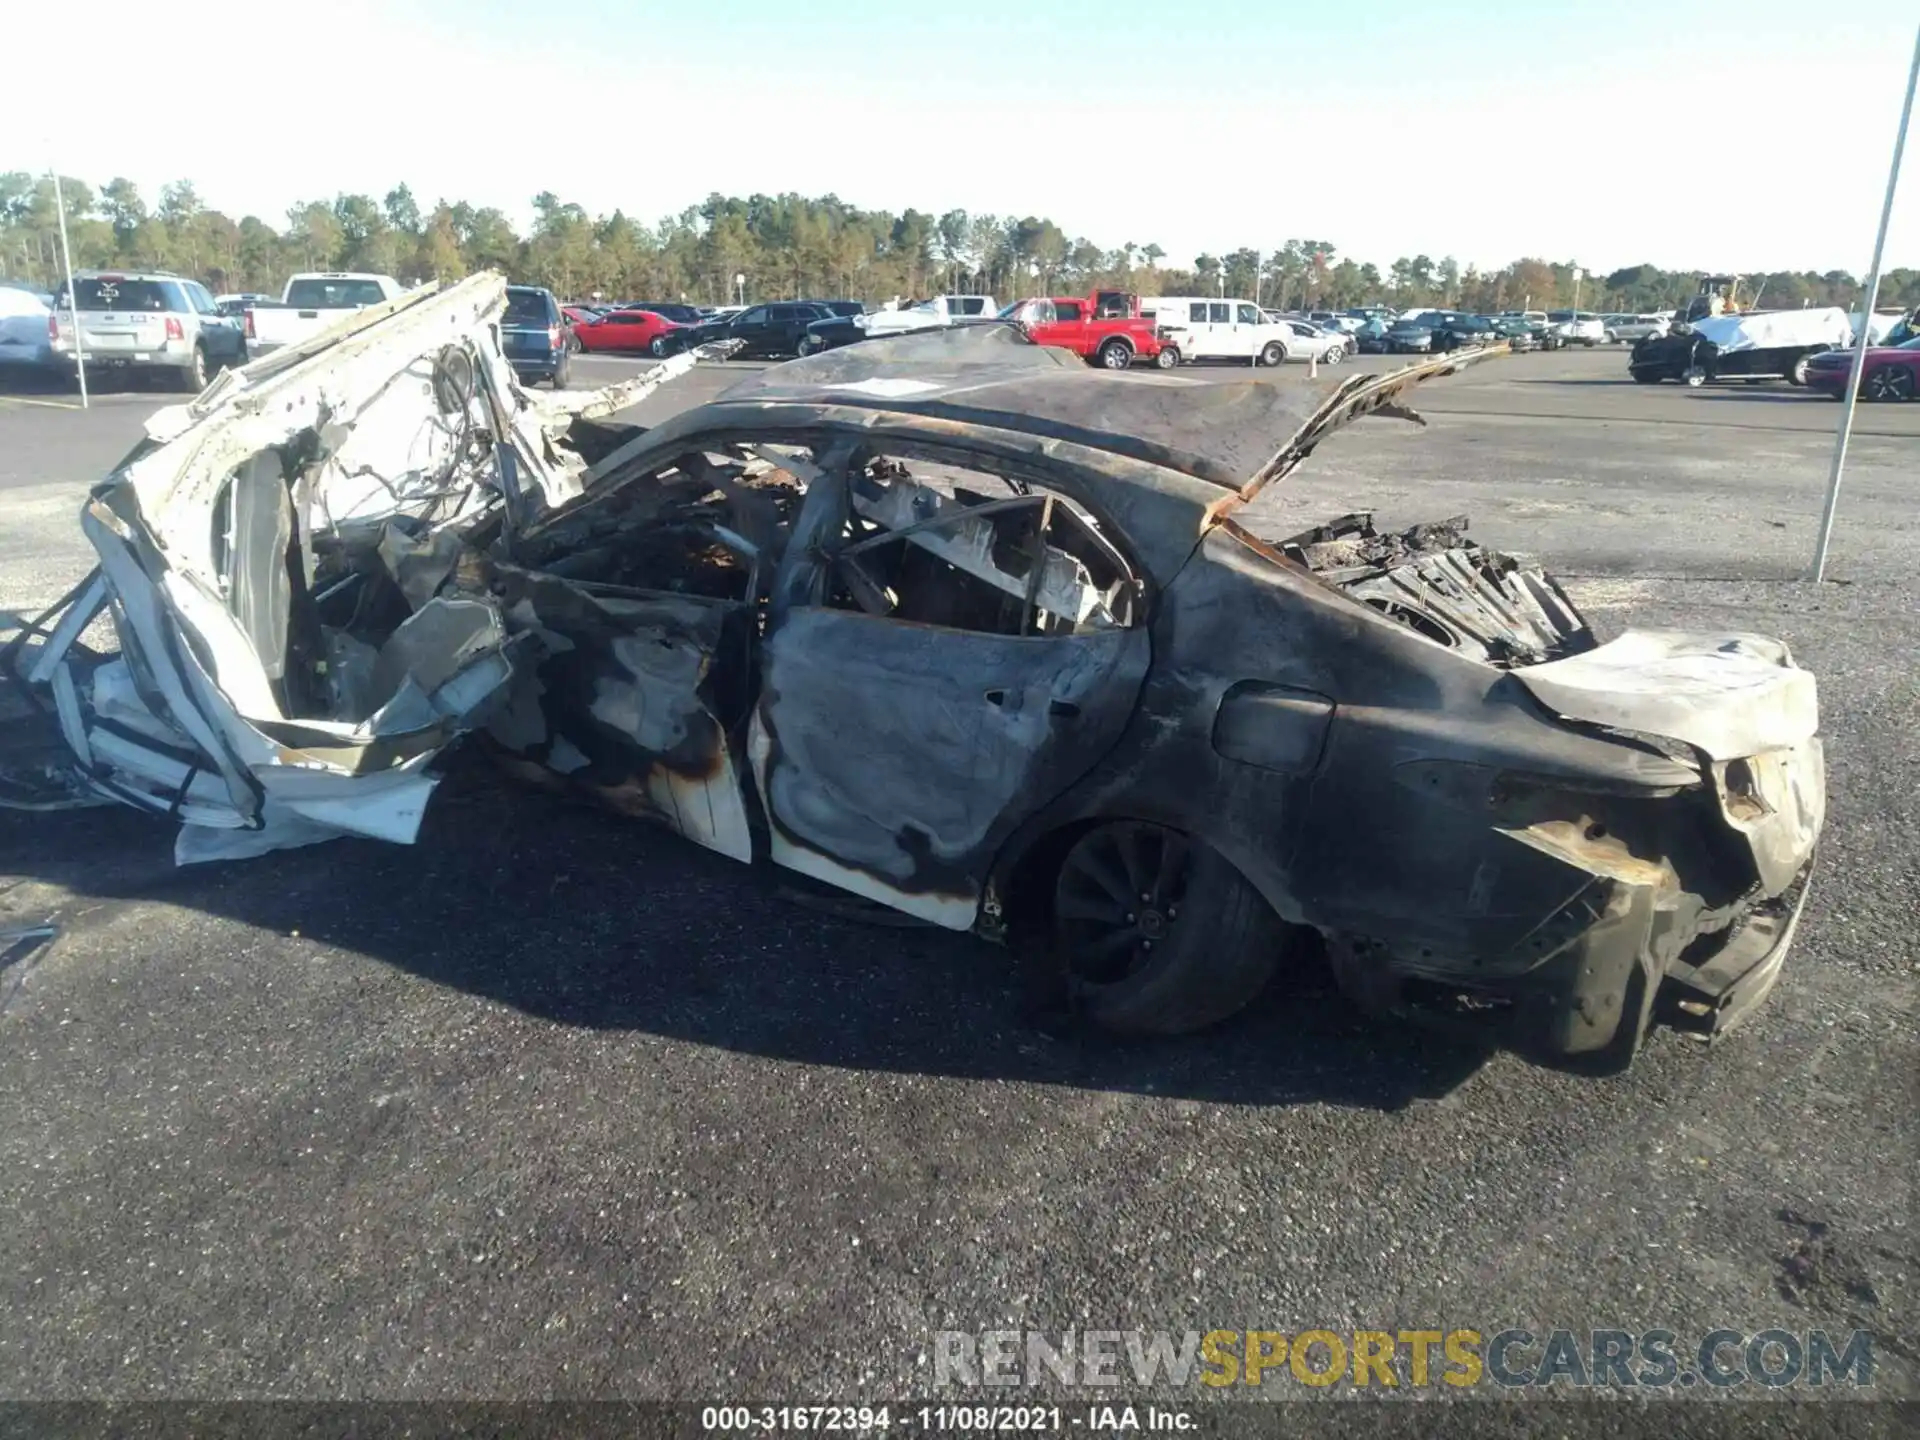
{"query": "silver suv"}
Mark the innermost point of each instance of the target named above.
(1625, 329)
(142, 324)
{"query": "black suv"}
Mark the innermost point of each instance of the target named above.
(763, 330)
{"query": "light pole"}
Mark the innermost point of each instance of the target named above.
(1860, 341)
(73, 300)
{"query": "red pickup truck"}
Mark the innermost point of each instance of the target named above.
(1104, 328)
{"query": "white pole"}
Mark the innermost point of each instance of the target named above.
(1860, 341)
(73, 304)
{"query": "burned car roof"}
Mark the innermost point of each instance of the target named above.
(1227, 431)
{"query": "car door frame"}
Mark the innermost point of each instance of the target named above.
(887, 754)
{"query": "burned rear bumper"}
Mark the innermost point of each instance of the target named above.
(1636, 963)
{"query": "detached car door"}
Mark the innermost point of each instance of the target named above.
(922, 693)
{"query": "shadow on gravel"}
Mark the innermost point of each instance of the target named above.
(585, 919)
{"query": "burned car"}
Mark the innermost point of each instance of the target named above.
(957, 625)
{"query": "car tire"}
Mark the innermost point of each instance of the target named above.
(1796, 373)
(1200, 946)
(193, 379)
(1274, 354)
(1893, 383)
(1694, 376)
(1334, 356)
(562, 368)
(1114, 355)
(1168, 358)
(657, 347)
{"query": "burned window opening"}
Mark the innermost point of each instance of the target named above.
(711, 524)
(939, 551)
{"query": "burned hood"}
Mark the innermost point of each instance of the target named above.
(1234, 428)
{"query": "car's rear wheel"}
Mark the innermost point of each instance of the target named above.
(657, 347)
(193, 378)
(1115, 355)
(1695, 376)
(562, 368)
(1158, 933)
(1893, 383)
(1274, 354)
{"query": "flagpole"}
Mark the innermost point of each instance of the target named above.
(73, 300)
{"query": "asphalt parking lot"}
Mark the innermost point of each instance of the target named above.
(553, 1104)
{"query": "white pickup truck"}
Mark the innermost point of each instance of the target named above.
(311, 303)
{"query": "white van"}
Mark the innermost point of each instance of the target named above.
(1201, 329)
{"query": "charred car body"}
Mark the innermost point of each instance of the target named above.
(958, 625)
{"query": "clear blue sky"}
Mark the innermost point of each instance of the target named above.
(1747, 136)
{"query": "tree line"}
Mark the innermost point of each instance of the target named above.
(787, 246)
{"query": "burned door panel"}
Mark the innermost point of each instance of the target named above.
(633, 699)
(893, 758)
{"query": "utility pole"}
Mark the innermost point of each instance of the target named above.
(1860, 341)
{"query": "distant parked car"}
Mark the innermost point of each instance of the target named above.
(24, 328)
(1409, 337)
(1334, 320)
(1514, 331)
(775, 330)
(145, 324)
(840, 307)
(1888, 372)
(236, 306)
(1453, 330)
(1579, 327)
(1371, 337)
(1624, 329)
(1326, 347)
(831, 333)
(631, 332)
(679, 314)
(312, 302)
(534, 336)
(581, 314)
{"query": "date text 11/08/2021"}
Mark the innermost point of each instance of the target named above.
(943, 1419)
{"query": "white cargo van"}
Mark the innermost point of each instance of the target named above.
(1201, 329)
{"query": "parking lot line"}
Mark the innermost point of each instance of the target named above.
(46, 404)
